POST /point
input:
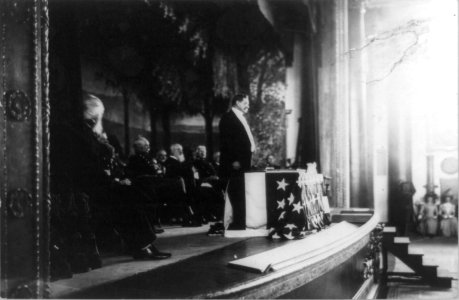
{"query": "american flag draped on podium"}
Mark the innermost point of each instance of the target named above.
(282, 204)
(295, 204)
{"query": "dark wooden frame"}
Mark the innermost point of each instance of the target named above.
(34, 17)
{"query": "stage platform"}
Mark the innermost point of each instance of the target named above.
(199, 269)
(182, 242)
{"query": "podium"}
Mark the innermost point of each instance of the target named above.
(282, 204)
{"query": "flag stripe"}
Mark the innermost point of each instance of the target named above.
(255, 204)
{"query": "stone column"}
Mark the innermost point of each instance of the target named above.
(359, 110)
(341, 168)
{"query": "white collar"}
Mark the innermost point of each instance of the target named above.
(237, 112)
(240, 115)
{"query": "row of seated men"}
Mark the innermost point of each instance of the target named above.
(195, 178)
(99, 202)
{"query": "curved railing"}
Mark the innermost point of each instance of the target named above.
(293, 273)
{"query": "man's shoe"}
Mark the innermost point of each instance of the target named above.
(215, 230)
(159, 230)
(191, 223)
(150, 254)
(94, 261)
(155, 251)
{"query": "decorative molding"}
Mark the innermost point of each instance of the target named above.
(32, 17)
(37, 142)
(449, 165)
(20, 11)
(368, 269)
(368, 290)
(18, 201)
(18, 105)
(46, 166)
(273, 284)
(3, 143)
(22, 291)
(371, 261)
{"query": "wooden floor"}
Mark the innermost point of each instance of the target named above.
(182, 242)
(186, 243)
(437, 251)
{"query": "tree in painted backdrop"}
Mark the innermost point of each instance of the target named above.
(228, 37)
(140, 52)
(267, 112)
(194, 22)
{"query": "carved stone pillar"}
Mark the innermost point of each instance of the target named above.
(359, 109)
(340, 175)
(24, 148)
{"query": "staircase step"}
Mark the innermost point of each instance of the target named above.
(444, 282)
(389, 230)
(416, 251)
(416, 258)
(401, 240)
(429, 271)
(399, 248)
(358, 218)
(414, 262)
(407, 280)
(404, 274)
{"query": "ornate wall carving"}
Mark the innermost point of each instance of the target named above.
(19, 201)
(372, 259)
(24, 148)
(18, 105)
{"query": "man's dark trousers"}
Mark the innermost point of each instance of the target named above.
(236, 194)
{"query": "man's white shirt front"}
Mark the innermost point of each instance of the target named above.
(240, 115)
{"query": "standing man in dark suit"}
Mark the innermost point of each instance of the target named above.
(236, 147)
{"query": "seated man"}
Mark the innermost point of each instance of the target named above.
(178, 168)
(161, 157)
(142, 163)
(112, 200)
(216, 161)
(143, 170)
(208, 186)
(148, 175)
